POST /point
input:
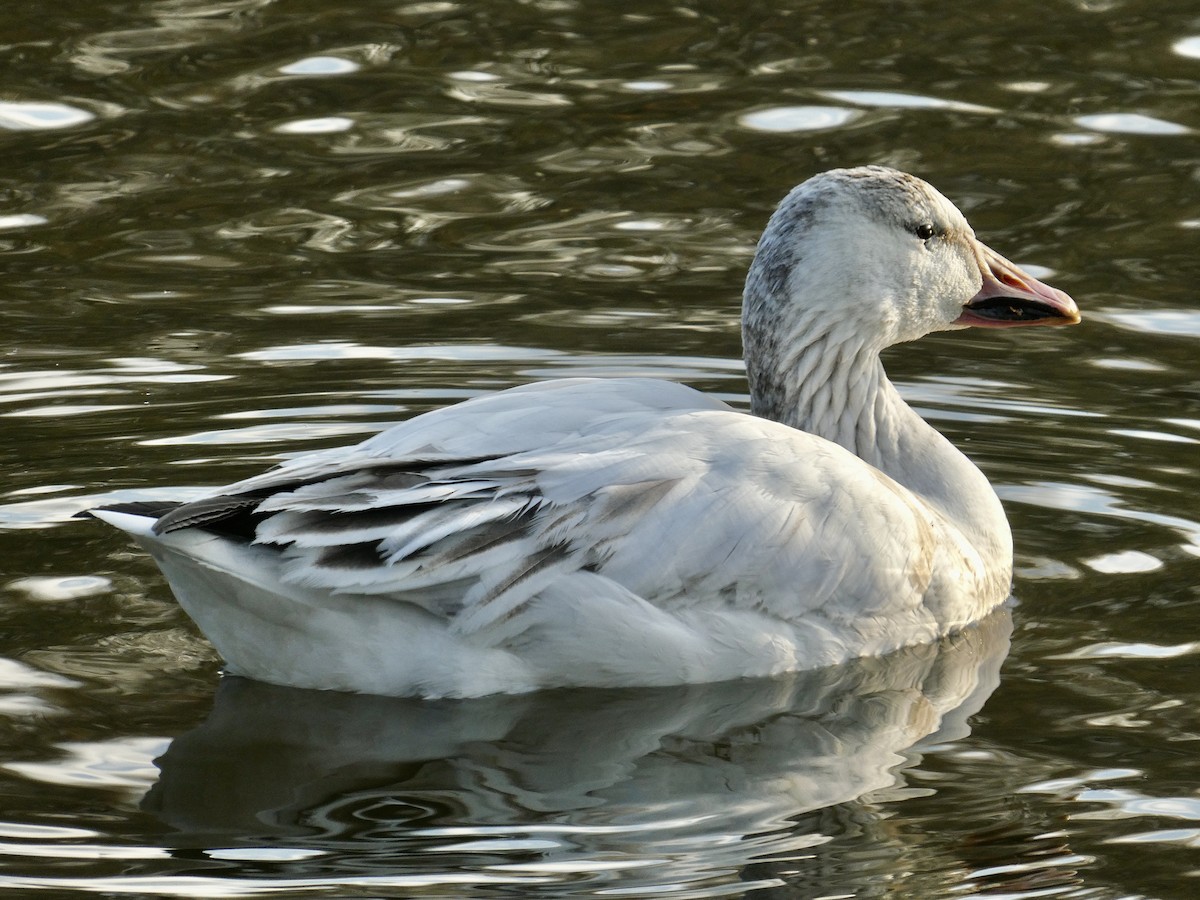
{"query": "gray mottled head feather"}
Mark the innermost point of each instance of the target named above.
(885, 195)
(840, 262)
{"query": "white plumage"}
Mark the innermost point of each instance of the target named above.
(631, 531)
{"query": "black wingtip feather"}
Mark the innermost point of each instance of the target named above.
(152, 509)
(206, 512)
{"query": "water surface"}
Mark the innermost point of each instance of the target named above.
(233, 230)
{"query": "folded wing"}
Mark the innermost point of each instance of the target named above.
(474, 511)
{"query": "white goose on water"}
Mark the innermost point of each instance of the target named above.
(612, 532)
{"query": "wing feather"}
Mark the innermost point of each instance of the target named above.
(474, 511)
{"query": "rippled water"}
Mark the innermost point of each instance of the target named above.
(238, 229)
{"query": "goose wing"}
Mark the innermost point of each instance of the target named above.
(475, 510)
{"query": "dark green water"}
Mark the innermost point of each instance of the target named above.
(238, 229)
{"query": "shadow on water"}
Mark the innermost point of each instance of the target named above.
(675, 789)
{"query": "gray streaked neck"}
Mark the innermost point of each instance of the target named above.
(832, 384)
(828, 383)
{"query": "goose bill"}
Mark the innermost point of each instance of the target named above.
(1011, 296)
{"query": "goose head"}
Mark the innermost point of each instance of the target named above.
(874, 257)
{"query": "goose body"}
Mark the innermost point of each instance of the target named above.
(616, 532)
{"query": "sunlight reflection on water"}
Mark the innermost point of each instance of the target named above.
(237, 229)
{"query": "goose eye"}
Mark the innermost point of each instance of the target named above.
(924, 231)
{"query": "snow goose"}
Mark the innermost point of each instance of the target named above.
(617, 532)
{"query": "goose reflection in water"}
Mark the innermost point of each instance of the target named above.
(638, 788)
